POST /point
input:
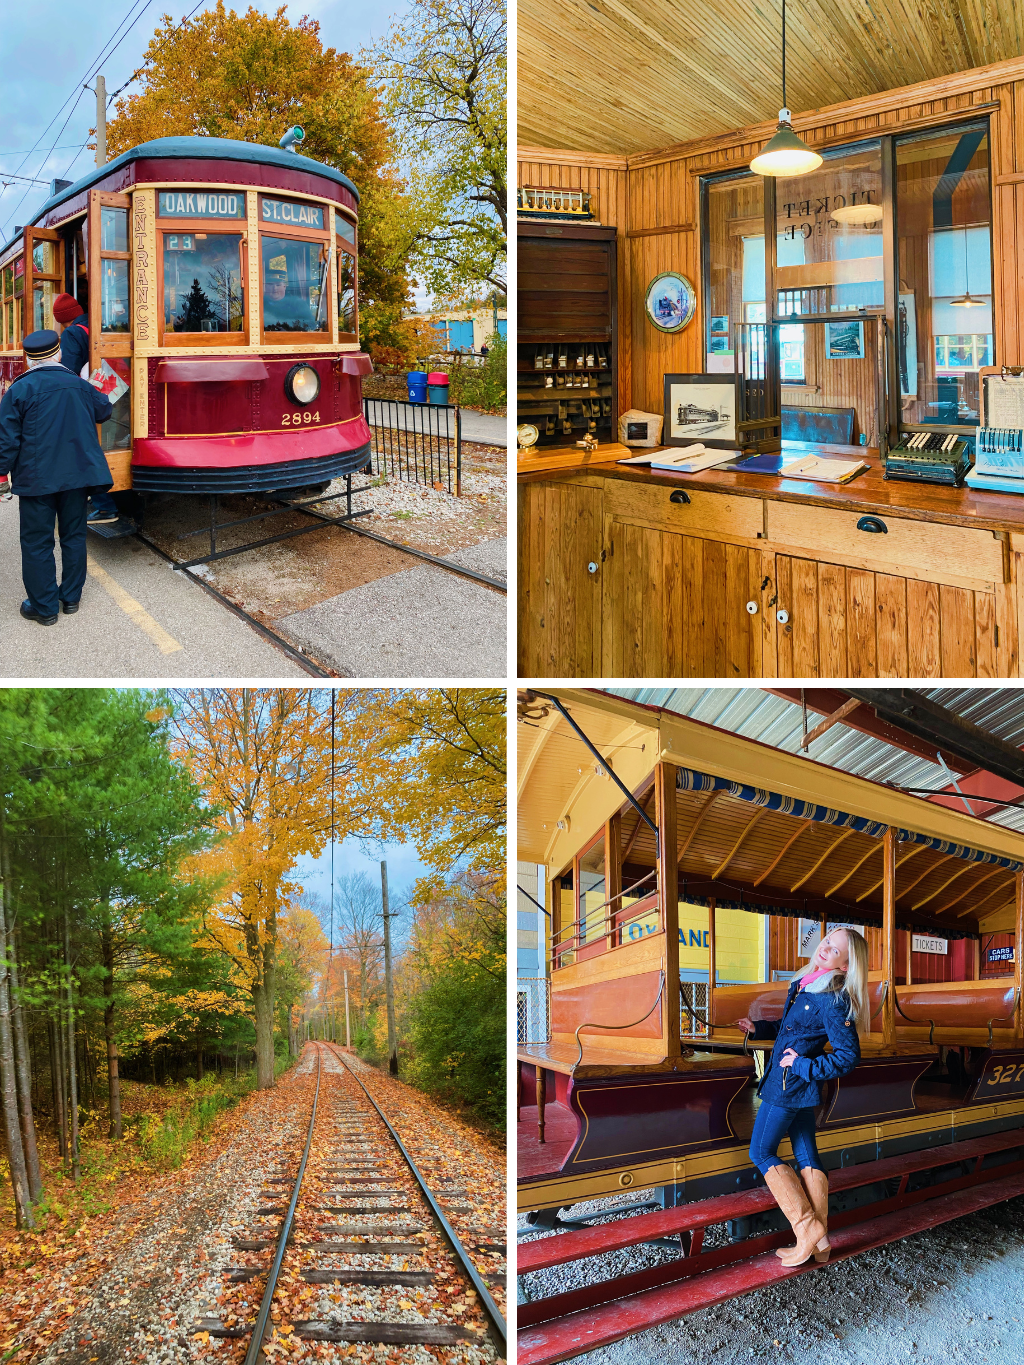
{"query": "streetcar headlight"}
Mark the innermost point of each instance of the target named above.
(302, 384)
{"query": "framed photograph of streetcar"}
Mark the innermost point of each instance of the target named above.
(700, 407)
(671, 301)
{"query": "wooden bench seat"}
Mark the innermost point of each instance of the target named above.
(598, 1061)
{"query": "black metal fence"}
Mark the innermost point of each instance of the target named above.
(418, 442)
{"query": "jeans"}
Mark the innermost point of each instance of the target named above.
(38, 566)
(104, 502)
(771, 1126)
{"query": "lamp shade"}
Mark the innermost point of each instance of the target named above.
(785, 154)
(860, 214)
(966, 301)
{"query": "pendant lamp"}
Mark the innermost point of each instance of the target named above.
(965, 300)
(785, 154)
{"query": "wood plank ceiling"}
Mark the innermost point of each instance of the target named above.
(624, 78)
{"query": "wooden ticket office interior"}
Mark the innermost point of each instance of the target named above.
(625, 572)
(737, 824)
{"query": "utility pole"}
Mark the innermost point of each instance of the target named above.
(388, 983)
(101, 121)
(348, 1027)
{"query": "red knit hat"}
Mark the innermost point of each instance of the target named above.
(66, 309)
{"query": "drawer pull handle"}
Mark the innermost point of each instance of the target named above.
(873, 524)
(679, 496)
(752, 608)
(782, 616)
(591, 567)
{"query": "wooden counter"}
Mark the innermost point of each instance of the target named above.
(760, 576)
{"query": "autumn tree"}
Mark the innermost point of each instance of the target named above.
(445, 72)
(302, 962)
(263, 758)
(250, 77)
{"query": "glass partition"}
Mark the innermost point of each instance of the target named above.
(592, 893)
(944, 318)
(734, 251)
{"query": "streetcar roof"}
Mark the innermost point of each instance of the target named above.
(194, 149)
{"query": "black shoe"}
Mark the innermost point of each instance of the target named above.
(69, 608)
(30, 615)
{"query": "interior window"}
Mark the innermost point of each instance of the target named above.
(294, 274)
(10, 317)
(944, 315)
(203, 282)
(347, 324)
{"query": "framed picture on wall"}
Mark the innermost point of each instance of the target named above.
(720, 323)
(670, 302)
(700, 407)
(844, 341)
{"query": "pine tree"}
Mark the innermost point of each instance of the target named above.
(194, 309)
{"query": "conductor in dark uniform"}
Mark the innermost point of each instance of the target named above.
(48, 443)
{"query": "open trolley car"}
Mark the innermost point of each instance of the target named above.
(675, 901)
(218, 280)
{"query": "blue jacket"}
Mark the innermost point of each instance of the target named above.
(74, 345)
(808, 1019)
(48, 438)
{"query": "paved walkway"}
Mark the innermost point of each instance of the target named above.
(138, 619)
(476, 426)
(422, 622)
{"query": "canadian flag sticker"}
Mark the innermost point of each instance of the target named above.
(108, 381)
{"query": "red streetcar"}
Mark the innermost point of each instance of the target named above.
(219, 283)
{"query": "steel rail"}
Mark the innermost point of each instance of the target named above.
(498, 1329)
(304, 662)
(252, 1355)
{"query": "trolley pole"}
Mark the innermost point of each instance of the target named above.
(348, 1027)
(101, 121)
(388, 983)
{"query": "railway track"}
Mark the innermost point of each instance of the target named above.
(354, 1246)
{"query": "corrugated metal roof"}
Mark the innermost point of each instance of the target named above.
(756, 714)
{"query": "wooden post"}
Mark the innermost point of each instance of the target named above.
(555, 907)
(712, 965)
(1018, 957)
(976, 958)
(910, 949)
(889, 937)
(540, 1104)
(668, 901)
(613, 875)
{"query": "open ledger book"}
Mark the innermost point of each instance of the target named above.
(821, 470)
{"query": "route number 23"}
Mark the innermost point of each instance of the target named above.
(1004, 1075)
(298, 419)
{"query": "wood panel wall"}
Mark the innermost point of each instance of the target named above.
(991, 969)
(654, 199)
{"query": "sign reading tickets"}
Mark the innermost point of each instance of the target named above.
(291, 215)
(925, 943)
(209, 203)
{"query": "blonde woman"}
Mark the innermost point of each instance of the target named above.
(827, 1002)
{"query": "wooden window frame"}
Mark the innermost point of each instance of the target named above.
(194, 225)
(340, 246)
(294, 340)
(6, 343)
(110, 343)
(31, 236)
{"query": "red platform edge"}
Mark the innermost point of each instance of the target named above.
(560, 1340)
(560, 1248)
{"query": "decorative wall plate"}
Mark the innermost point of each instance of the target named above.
(671, 301)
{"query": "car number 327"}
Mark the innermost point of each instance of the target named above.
(298, 419)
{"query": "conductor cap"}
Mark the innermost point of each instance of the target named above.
(42, 345)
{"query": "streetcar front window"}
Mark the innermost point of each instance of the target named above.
(294, 280)
(203, 282)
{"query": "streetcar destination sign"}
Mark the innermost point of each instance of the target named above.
(208, 203)
(288, 214)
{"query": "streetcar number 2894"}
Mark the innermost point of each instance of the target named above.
(298, 419)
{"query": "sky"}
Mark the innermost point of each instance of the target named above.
(351, 856)
(40, 74)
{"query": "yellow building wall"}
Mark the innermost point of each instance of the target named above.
(739, 941)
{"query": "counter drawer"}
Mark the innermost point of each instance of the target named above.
(921, 548)
(721, 514)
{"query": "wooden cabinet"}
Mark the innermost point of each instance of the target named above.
(560, 548)
(617, 580)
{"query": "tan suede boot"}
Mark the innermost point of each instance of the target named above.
(791, 1197)
(815, 1182)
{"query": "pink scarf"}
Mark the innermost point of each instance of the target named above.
(813, 976)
